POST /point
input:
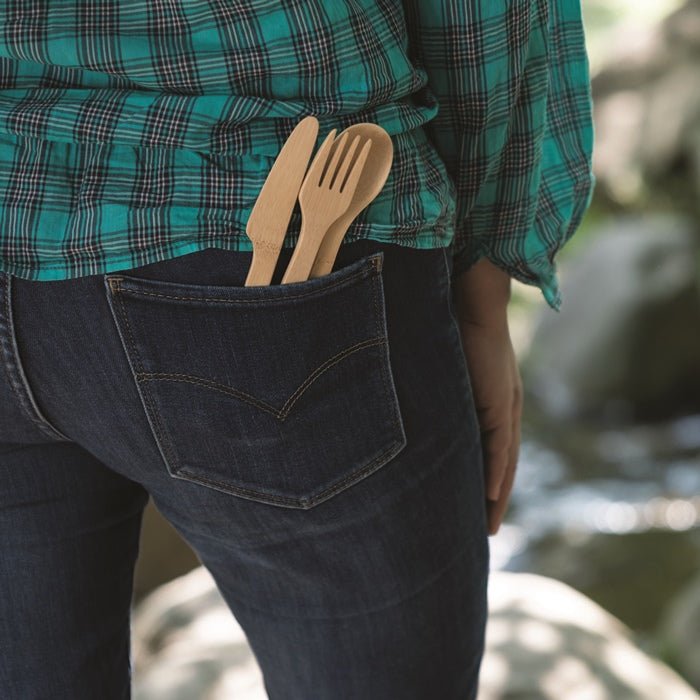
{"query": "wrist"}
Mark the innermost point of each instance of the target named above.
(482, 293)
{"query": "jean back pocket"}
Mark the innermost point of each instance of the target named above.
(281, 394)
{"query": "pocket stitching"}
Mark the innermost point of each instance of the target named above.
(389, 385)
(373, 265)
(338, 486)
(281, 413)
(151, 414)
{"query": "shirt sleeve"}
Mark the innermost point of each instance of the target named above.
(514, 127)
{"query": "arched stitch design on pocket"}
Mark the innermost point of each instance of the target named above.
(282, 412)
(218, 367)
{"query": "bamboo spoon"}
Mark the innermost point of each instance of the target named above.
(269, 219)
(325, 195)
(375, 172)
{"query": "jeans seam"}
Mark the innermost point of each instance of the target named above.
(448, 278)
(17, 379)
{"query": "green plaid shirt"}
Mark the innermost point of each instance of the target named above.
(132, 131)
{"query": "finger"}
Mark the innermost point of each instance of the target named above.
(514, 448)
(497, 509)
(496, 451)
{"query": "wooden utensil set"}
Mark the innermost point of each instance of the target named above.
(331, 193)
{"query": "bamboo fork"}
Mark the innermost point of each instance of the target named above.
(376, 170)
(325, 194)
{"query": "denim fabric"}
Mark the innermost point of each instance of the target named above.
(316, 443)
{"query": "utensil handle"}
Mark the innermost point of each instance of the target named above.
(262, 266)
(328, 250)
(304, 253)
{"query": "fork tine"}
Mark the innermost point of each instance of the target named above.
(354, 175)
(322, 153)
(339, 179)
(330, 170)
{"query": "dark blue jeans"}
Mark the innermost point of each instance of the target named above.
(316, 443)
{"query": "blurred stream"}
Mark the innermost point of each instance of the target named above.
(613, 512)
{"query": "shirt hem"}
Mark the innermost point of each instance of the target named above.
(429, 237)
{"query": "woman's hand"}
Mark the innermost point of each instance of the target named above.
(481, 296)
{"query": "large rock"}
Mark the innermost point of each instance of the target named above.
(545, 641)
(632, 574)
(628, 346)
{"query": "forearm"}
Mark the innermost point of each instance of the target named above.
(482, 293)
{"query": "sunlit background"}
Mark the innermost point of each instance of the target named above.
(596, 587)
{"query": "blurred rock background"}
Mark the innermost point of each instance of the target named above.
(603, 527)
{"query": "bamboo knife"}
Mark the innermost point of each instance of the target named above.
(269, 218)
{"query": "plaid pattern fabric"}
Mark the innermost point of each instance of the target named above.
(135, 131)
